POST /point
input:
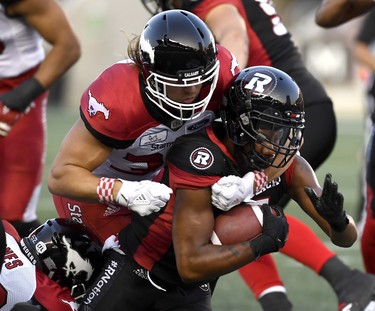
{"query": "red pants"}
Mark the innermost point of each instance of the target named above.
(22, 154)
(101, 219)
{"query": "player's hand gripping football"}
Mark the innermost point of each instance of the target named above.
(8, 117)
(274, 234)
(143, 197)
(330, 204)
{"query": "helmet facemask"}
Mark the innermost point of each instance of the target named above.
(271, 130)
(178, 50)
(156, 90)
(272, 119)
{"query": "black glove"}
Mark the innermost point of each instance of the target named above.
(275, 232)
(21, 97)
(330, 204)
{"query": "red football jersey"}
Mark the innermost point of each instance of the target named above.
(116, 111)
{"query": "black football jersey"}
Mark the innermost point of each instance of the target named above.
(194, 161)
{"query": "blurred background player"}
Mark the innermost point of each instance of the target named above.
(254, 32)
(333, 13)
(364, 52)
(26, 74)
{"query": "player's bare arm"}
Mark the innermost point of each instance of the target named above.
(48, 18)
(197, 258)
(230, 31)
(193, 223)
(330, 217)
(79, 154)
(333, 13)
(71, 176)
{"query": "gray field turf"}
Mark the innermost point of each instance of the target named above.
(306, 290)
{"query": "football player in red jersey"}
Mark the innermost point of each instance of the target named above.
(131, 114)
(254, 32)
(333, 13)
(169, 255)
(26, 73)
(23, 285)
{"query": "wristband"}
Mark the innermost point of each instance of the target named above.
(22, 96)
(260, 180)
(105, 189)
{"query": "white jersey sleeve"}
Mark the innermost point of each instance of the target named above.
(21, 47)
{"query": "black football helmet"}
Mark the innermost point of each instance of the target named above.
(264, 105)
(177, 49)
(157, 6)
(65, 251)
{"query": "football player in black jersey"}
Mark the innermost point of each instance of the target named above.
(254, 32)
(169, 257)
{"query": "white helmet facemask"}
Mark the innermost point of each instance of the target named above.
(156, 87)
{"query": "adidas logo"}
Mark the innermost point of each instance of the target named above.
(111, 210)
(141, 200)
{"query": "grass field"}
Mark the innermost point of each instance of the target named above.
(306, 290)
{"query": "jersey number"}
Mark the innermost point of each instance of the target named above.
(278, 27)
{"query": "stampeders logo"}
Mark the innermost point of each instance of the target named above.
(94, 107)
(201, 158)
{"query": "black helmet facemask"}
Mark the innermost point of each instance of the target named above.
(273, 119)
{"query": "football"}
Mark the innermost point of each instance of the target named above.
(241, 223)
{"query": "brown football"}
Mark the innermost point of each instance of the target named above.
(241, 223)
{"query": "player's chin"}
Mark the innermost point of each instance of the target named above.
(243, 160)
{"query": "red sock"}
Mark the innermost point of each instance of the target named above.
(303, 245)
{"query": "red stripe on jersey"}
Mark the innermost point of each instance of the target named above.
(181, 179)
